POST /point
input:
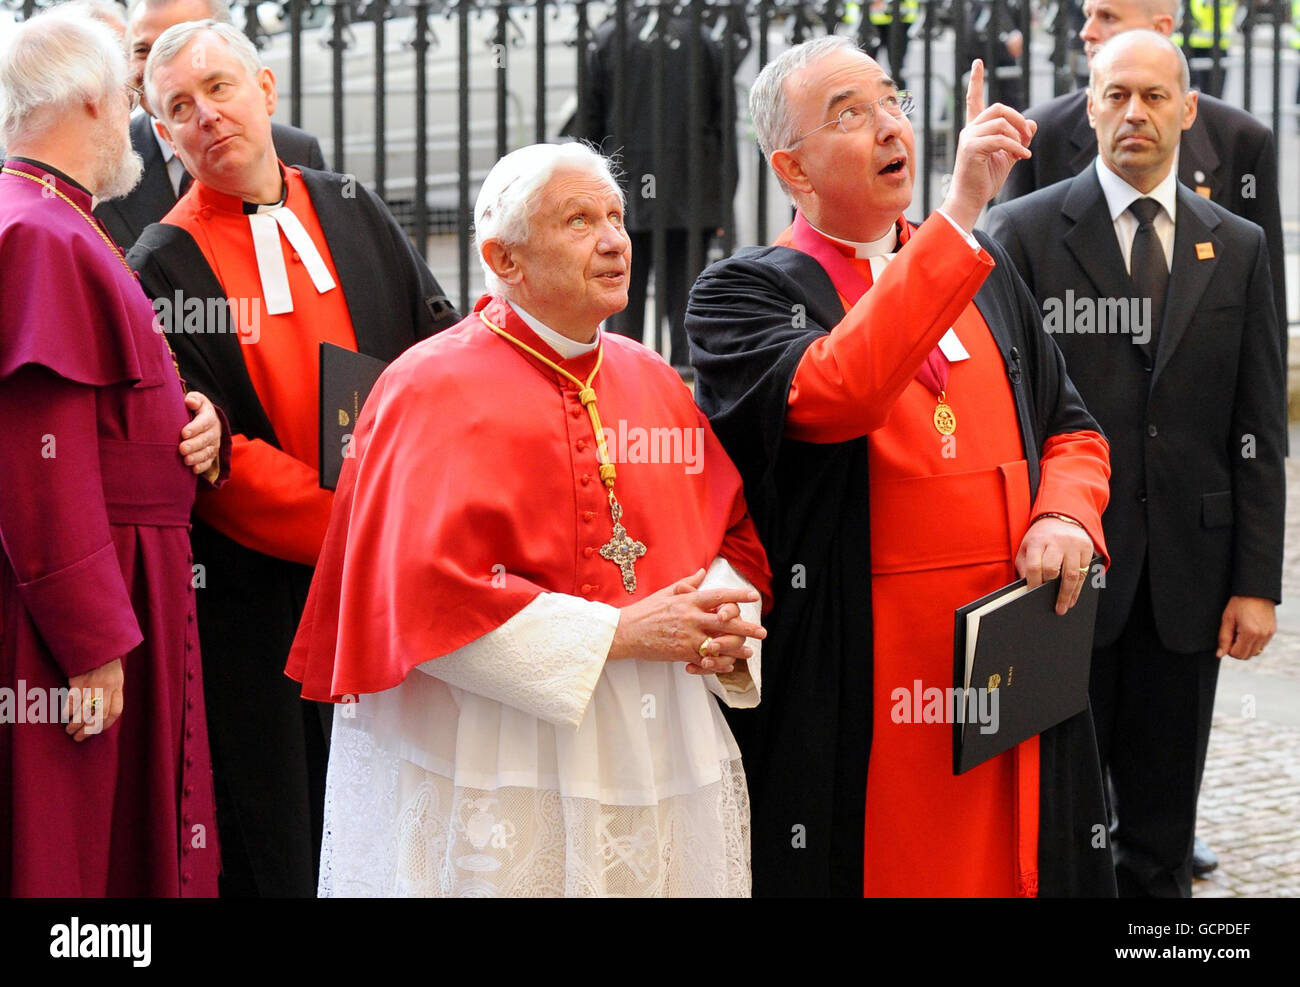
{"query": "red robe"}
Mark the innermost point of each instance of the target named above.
(947, 518)
(475, 487)
(94, 512)
(273, 503)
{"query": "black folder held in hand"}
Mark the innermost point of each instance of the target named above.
(1019, 668)
(346, 379)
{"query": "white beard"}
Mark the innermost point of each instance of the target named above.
(120, 168)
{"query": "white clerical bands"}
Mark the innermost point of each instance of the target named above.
(266, 227)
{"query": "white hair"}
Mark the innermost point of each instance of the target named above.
(178, 37)
(510, 192)
(769, 106)
(53, 61)
(108, 12)
(218, 10)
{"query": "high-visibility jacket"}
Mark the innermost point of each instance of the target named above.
(1202, 33)
(882, 11)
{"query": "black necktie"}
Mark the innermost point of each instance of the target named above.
(186, 181)
(1147, 263)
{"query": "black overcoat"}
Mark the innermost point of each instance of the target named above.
(806, 746)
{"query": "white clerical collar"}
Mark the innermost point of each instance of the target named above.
(1120, 194)
(267, 222)
(880, 252)
(566, 347)
(887, 244)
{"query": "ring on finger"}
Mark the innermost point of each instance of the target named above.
(704, 647)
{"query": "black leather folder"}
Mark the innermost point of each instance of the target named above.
(346, 379)
(1019, 668)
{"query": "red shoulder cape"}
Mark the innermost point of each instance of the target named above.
(474, 488)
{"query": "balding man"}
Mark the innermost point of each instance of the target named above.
(165, 179)
(1182, 368)
(104, 783)
(251, 271)
(1226, 155)
(909, 443)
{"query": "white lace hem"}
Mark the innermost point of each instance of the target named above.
(393, 829)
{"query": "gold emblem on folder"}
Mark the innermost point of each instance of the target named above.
(995, 680)
(344, 419)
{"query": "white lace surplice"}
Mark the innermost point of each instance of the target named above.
(522, 764)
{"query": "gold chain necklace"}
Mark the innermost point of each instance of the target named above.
(621, 549)
(108, 240)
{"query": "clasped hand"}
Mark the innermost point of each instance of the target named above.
(672, 624)
(201, 438)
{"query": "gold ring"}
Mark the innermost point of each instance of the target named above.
(93, 702)
(704, 645)
(1085, 570)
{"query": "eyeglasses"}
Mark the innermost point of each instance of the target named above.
(133, 95)
(855, 117)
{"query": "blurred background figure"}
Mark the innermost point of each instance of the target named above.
(659, 184)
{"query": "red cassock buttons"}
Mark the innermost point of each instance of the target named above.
(586, 480)
(589, 551)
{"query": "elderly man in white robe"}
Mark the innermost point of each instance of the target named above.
(528, 613)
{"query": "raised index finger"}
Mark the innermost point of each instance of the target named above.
(975, 90)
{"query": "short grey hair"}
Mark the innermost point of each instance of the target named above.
(57, 59)
(1106, 54)
(511, 191)
(218, 10)
(769, 107)
(178, 37)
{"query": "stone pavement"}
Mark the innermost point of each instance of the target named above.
(1250, 798)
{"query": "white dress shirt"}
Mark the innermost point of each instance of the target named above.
(1120, 195)
(175, 168)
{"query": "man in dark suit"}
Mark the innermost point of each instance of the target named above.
(165, 179)
(1226, 155)
(1161, 303)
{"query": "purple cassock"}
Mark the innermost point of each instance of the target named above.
(94, 521)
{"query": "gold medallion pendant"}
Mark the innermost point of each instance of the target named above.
(945, 420)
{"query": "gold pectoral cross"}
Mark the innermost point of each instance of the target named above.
(622, 549)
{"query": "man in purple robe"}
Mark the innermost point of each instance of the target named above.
(105, 783)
